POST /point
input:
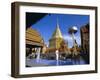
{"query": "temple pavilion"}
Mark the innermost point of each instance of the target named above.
(34, 41)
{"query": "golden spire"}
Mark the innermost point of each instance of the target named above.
(57, 33)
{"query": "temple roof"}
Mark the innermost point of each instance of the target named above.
(33, 37)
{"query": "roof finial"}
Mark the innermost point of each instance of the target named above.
(57, 22)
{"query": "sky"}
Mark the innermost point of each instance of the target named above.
(47, 25)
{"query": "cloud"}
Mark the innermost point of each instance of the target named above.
(67, 37)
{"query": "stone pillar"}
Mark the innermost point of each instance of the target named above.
(30, 51)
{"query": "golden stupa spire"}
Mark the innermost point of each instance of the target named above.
(56, 39)
(57, 33)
